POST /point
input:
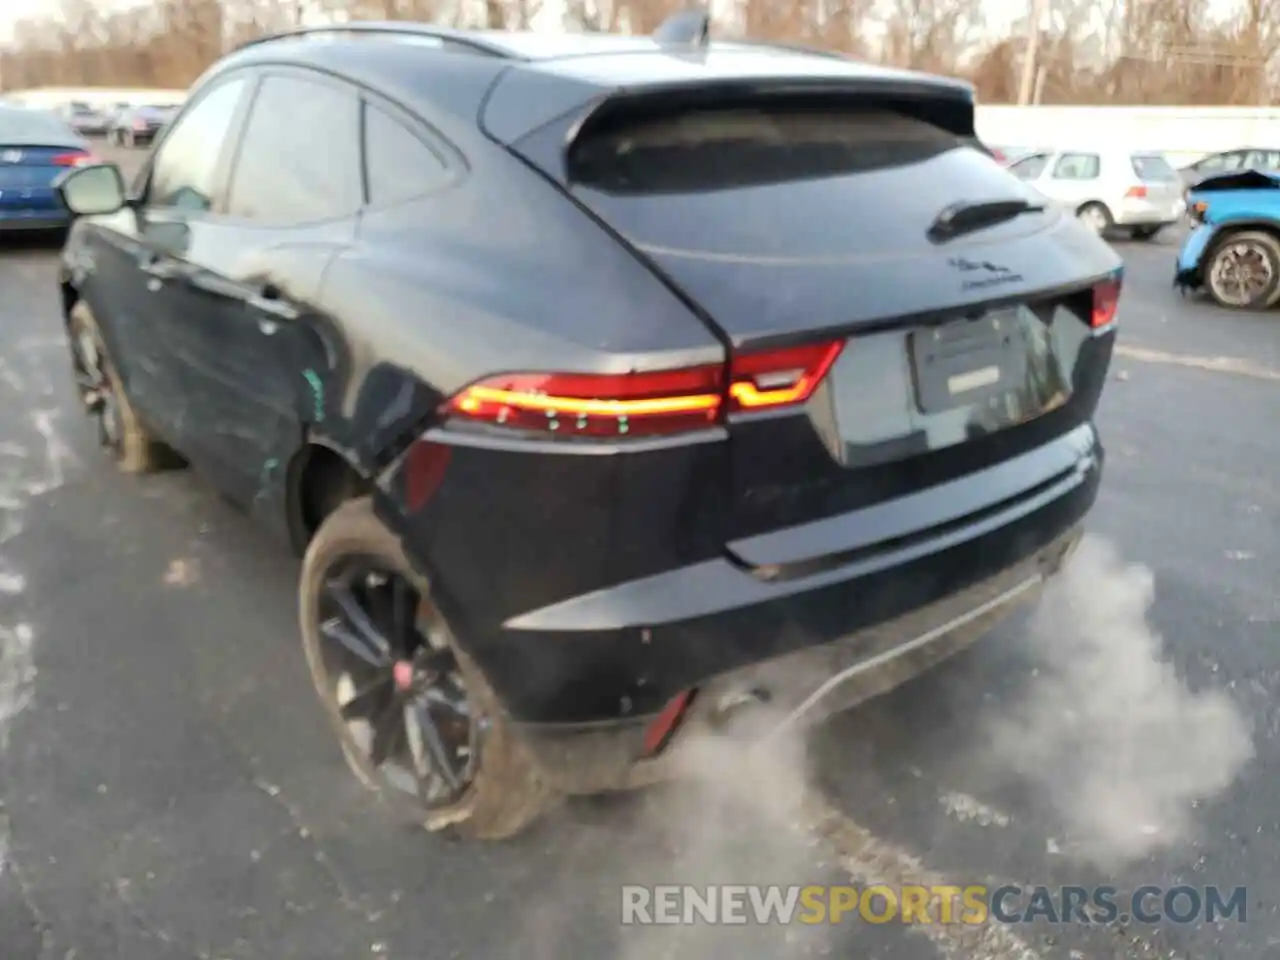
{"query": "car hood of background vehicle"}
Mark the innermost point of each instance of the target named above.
(1239, 180)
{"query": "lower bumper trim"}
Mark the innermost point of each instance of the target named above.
(999, 603)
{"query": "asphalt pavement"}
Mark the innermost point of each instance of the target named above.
(170, 791)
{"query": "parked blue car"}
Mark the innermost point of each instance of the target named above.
(1234, 250)
(36, 147)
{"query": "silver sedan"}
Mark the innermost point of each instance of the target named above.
(1139, 192)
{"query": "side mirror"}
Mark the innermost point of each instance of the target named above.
(95, 189)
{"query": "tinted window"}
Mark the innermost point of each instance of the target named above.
(1029, 168)
(780, 180)
(1221, 162)
(399, 164)
(187, 162)
(300, 157)
(1077, 166)
(1154, 169)
(1264, 159)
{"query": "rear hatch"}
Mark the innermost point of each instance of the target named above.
(34, 149)
(810, 232)
(1161, 182)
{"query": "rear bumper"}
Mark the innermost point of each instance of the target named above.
(1139, 213)
(34, 220)
(796, 690)
(599, 668)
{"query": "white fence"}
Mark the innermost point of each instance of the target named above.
(49, 98)
(1185, 133)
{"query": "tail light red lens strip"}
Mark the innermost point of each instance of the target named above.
(72, 160)
(646, 403)
(1106, 300)
(779, 378)
(609, 405)
(663, 727)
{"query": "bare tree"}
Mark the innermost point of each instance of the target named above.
(1088, 51)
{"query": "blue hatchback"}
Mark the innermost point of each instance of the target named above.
(1234, 250)
(35, 148)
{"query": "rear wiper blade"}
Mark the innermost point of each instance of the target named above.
(968, 216)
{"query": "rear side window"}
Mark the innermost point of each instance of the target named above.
(184, 171)
(1154, 169)
(1221, 162)
(1264, 159)
(1077, 166)
(299, 160)
(791, 179)
(1030, 168)
(399, 165)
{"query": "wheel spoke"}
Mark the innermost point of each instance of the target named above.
(365, 701)
(402, 604)
(388, 730)
(435, 743)
(335, 630)
(440, 661)
(455, 700)
(358, 620)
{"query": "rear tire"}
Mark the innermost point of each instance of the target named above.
(1243, 271)
(119, 429)
(1096, 217)
(505, 792)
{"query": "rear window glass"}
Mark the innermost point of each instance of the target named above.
(34, 128)
(722, 149)
(1154, 169)
(798, 180)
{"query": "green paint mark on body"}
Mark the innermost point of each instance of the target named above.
(317, 391)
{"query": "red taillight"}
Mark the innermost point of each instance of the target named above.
(79, 159)
(594, 405)
(660, 731)
(1106, 298)
(1136, 193)
(645, 404)
(769, 379)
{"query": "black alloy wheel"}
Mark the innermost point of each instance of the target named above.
(97, 387)
(396, 683)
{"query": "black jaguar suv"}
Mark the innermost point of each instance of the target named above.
(615, 389)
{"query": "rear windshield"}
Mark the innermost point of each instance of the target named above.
(34, 128)
(1153, 169)
(796, 180)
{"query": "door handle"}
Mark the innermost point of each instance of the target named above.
(161, 268)
(274, 307)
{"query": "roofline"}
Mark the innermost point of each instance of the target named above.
(403, 28)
